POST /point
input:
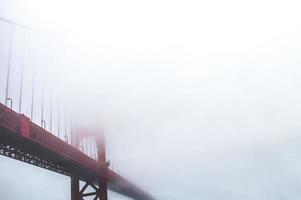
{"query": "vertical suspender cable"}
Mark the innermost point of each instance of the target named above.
(58, 120)
(51, 99)
(32, 83)
(90, 149)
(51, 102)
(90, 146)
(22, 71)
(42, 106)
(66, 138)
(9, 63)
(77, 133)
(87, 144)
(71, 130)
(32, 92)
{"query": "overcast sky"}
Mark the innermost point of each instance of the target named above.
(198, 99)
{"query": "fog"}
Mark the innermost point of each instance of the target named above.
(197, 99)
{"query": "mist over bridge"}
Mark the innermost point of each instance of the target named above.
(36, 129)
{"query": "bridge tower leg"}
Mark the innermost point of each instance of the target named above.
(102, 180)
(103, 190)
(75, 193)
(98, 193)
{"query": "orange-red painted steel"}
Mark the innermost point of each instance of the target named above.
(23, 140)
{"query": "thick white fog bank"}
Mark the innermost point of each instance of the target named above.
(198, 99)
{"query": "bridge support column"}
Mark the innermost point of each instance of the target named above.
(96, 192)
(102, 180)
(103, 190)
(75, 193)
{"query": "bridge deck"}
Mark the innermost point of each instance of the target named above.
(23, 140)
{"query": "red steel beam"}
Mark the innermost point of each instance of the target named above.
(18, 132)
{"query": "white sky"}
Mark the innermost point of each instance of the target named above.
(199, 99)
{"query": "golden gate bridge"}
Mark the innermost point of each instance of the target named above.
(80, 154)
